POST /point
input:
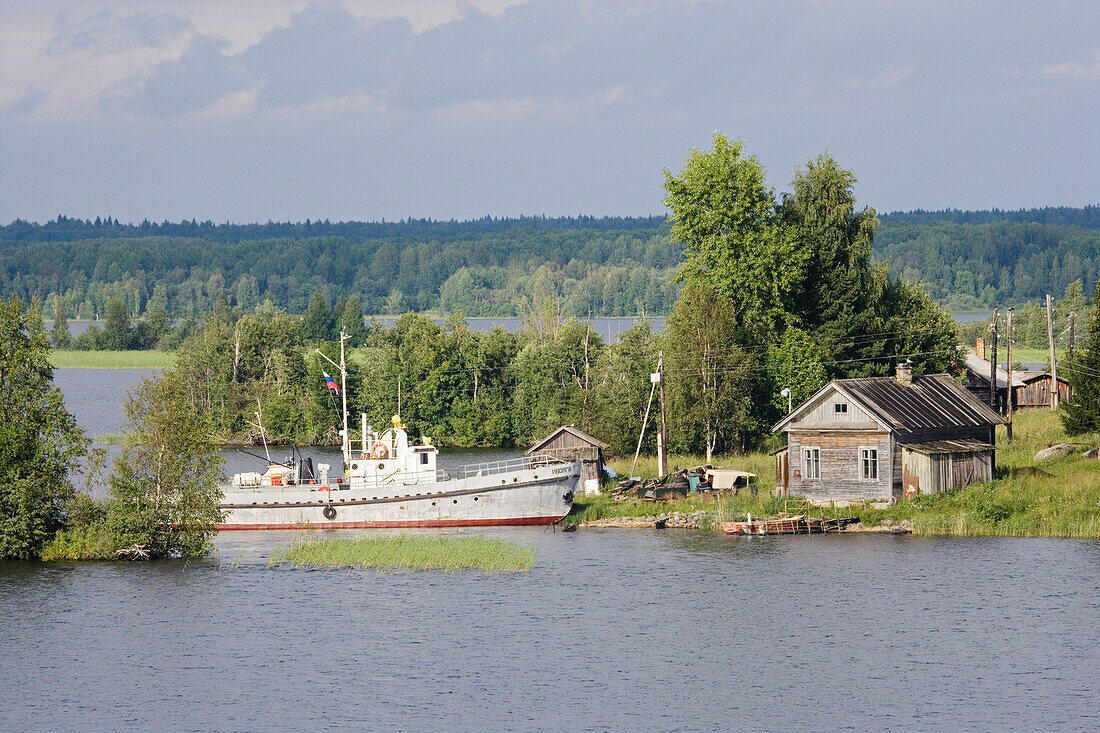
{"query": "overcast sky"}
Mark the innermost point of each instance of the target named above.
(364, 109)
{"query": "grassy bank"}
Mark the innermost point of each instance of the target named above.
(1059, 498)
(407, 552)
(112, 359)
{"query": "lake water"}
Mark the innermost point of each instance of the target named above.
(611, 630)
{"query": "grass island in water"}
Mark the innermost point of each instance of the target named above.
(407, 552)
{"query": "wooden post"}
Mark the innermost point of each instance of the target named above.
(993, 364)
(1053, 361)
(1069, 353)
(662, 437)
(1011, 397)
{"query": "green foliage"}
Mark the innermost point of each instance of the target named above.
(319, 322)
(709, 375)
(1082, 413)
(164, 484)
(39, 438)
(795, 364)
(60, 336)
(117, 331)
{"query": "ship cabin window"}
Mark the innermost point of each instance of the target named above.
(811, 463)
(423, 459)
(840, 408)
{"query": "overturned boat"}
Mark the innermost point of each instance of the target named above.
(390, 482)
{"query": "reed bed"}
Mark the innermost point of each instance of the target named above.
(407, 552)
(112, 359)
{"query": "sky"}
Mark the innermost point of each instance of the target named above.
(370, 109)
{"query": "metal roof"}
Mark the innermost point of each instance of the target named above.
(929, 401)
(980, 368)
(568, 429)
(948, 446)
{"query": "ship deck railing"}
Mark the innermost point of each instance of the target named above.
(513, 464)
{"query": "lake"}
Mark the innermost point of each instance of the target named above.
(611, 630)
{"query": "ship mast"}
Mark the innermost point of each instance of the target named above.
(345, 435)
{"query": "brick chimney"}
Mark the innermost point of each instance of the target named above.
(905, 372)
(979, 348)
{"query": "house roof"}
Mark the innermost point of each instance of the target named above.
(979, 367)
(580, 434)
(929, 401)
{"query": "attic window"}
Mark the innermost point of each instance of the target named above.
(840, 408)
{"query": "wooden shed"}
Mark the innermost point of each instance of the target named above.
(877, 438)
(571, 444)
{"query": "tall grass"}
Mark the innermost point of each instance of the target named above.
(407, 552)
(112, 359)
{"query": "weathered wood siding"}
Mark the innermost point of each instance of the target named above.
(937, 472)
(841, 466)
(1036, 394)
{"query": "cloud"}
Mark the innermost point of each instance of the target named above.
(105, 33)
(1075, 69)
(23, 107)
(202, 77)
(887, 79)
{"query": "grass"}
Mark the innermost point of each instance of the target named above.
(407, 552)
(93, 542)
(112, 359)
(1059, 498)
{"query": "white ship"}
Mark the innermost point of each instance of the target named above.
(389, 482)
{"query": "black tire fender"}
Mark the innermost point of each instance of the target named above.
(329, 512)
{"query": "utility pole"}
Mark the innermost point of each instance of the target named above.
(662, 437)
(993, 364)
(1053, 363)
(1008, 370)
(1069, 355)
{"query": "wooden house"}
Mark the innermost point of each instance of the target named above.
(881, 438)
(571, 444)
(1031, 389)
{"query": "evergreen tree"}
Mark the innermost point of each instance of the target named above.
(39, 439)
(352, 322)
(1082, 413)
(60, 336)
(117, 330)
(319, 322)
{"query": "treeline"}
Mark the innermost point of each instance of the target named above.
(590, 271)
(978, 266)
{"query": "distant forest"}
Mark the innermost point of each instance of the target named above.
(588, 266)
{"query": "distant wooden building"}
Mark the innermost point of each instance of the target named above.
(1031, 389)
(574, 445)
(881, 438)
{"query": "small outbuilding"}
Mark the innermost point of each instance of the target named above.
(1030, 389)
(571, 444)
(882, 438)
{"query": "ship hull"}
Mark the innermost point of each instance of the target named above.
(541, 495)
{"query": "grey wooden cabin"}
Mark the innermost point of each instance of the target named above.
(571, 444)
(882, 438)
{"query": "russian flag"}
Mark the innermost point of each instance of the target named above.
(331, 383)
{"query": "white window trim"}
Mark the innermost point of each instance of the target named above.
(862, 450)
(806, 463)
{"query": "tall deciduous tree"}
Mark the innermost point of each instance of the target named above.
(39, 439)
(725, 216)
(60, 336)
(709, 376)
(117, 331)
(319, 322)
(352, 322)
(164, 485)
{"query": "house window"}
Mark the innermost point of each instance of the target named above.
(840, 408)
(811, 463)
(868, 459)
(424, 459)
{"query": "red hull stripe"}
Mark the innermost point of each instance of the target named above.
(514, 521)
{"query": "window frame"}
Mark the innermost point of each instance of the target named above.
(840, 408)
(811, 456)
(865, 460)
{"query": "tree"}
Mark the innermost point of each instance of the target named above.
(60, 336)
(725, 216)
(39, 439)
(164, 484)
(117, 330)
(709, 377)
(352, 322)
(319, 323)
(1082, 413)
